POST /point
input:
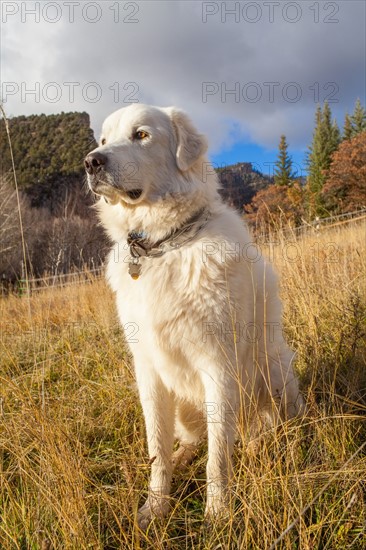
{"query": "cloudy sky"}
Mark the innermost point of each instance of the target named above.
(246, 72)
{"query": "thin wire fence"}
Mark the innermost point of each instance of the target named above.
(316, 225)
(22, 287)
(62, 280)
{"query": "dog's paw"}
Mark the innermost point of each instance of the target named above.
(216, 511)
(153, 508)
(217, 504)
(144, 516)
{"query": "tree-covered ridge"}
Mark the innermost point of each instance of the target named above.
(46, 147)
(240, 182)
(60, 229)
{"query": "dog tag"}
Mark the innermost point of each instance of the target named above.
(134, 270)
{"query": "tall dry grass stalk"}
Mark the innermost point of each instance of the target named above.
(73, 458)
(25, 262)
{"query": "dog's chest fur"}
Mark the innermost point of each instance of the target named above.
(175, 306)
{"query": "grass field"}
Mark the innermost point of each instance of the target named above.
(73, 458)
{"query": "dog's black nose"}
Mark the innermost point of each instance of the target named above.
(94, 162)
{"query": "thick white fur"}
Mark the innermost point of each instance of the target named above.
(208, 347)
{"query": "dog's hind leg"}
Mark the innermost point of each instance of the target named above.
(286, 401)
(189, 430)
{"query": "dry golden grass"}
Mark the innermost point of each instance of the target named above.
(73, 459)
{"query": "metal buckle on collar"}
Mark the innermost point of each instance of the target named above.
(140, 246)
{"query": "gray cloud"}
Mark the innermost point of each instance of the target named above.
(304, 51)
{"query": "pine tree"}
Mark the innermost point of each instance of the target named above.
(358, 118)
(336, 136)
(330, 135)
(314, 159)
(283, 174)
(347, 128)
(326, 139)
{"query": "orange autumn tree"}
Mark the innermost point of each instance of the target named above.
(345, 187)
(281, 203)
(276, 206)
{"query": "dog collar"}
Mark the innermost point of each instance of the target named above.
(141, 246)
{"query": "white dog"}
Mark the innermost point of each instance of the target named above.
(208, 347)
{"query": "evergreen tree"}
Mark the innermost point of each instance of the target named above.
(313, 157)
(283, 171)
(347, 128)
(358, 118)
(336, 136)
(331, 135)
(326, 138)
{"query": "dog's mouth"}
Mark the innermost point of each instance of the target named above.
(134, 194)
(104, 187)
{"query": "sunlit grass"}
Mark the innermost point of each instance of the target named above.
(73, 458)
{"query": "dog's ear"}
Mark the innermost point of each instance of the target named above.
(190, 145)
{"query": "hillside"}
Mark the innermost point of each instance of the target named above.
(240, 182)
(48, 153)
(60, 228)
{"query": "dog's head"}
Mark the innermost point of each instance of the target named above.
(144, 152)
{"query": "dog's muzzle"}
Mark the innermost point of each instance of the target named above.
(99, 181)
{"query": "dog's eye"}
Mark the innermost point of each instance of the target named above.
(103, 141)
(140, 134)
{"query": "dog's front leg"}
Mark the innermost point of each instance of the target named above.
(158, 407)
(221, 424)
